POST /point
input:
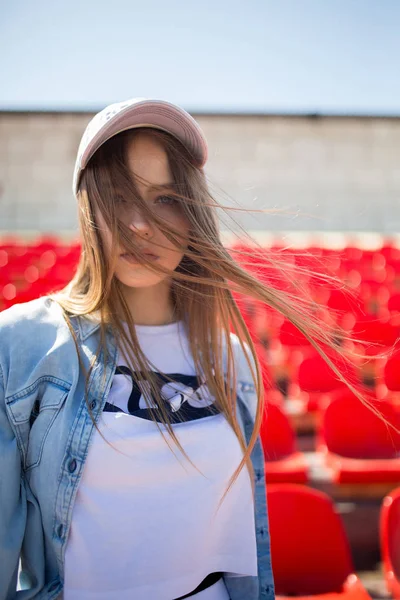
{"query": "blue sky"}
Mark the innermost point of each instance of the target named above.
(290, 56)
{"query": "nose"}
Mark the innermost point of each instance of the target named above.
(139, 224)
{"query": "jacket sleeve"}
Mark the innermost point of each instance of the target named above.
(13, 505)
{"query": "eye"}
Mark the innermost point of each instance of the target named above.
(166, 200)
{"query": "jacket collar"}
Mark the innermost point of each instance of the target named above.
(87, 326)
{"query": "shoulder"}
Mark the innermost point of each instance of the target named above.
(36, 344)
(28, 316)
(30, 327)
(27, 311)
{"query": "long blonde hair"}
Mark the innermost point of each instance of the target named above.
(204, 286)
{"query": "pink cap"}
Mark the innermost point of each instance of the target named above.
(140, 112)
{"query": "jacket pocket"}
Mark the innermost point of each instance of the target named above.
(33, 411)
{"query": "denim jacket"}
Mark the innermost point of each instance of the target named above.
(45, 431)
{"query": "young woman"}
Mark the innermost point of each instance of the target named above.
(131, 402)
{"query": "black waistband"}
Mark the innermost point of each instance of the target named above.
(206, 583)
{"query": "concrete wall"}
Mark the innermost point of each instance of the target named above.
(326, 173)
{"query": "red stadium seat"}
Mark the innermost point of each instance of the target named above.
(13, 245)
(316, 376)
(283, 462)
(383, 333)
(394, 302)
(344, 301)
(390, 251)
(375, 295)
(309, 548)
(352, 253)
(390, 541)
(289, 335)
(358, 445)
(317, 379)
(391, 373)
(46, 242)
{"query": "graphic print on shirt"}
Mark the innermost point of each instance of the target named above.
(186, 398)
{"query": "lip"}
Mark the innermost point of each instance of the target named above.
(134, 261)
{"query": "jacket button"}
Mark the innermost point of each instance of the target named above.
(93, 404)
(72, 465)
(53, 586)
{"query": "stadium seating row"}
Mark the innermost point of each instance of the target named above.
(352, 442)
(311, 556)
(356, 445)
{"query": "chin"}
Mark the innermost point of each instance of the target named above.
(140, 277)
(141, 282)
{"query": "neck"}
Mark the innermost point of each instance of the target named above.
(151, 305)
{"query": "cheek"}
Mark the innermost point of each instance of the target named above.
(104, 232)
(181, 225)
(107, 242)
(175, 216)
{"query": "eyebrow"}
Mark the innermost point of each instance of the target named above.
(154, 188)
(162, 186)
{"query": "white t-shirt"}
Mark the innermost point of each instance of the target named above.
(143, 524)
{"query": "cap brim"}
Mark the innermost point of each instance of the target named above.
(148, 113)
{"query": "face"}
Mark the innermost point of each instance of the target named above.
(147, 160)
